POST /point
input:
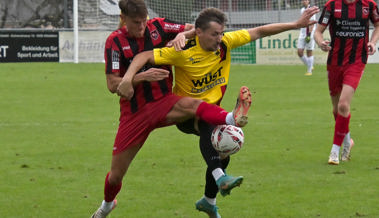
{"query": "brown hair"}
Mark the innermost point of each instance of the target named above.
(208, 15)
(133, 8)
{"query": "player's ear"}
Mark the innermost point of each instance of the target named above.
(198, 31)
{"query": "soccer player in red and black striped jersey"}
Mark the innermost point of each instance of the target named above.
(153, 104)
(348, 22)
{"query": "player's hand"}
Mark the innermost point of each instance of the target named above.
(154, 74)
(179, 42)
(325, 45)
(125, 88)
(371, 48)
(304, 20)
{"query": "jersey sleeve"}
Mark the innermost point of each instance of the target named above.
(325, 15)
(112, 57)
(374, 13)
(237, 38)
(168, 28)
(166, 56)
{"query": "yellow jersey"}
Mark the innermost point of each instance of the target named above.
(202, 74)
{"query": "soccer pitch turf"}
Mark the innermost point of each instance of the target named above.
(58, 122)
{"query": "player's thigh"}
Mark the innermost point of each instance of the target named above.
(310, 45)
(183, 110)
(301, 43)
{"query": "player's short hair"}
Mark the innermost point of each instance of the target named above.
(133, 8)
(208, 15)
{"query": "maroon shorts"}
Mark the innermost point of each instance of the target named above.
(135, 128)
(349, 75)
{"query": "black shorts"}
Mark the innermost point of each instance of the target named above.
(188, 127)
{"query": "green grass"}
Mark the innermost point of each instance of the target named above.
(58, 122)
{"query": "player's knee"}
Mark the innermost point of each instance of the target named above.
(300, 53)
(343, 108)
(189, 104)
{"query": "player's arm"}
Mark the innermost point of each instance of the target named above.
(125, 87)
(374, 39)
(149, 75)
(180, 40)
(275, 28)
(319, 38)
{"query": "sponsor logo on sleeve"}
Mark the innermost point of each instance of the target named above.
(171, 27)
(115, 60)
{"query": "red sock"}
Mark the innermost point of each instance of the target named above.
(341, 129)
(335, 115)
(110, 191)
(211, 113)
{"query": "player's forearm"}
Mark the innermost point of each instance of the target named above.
(318, 37)
(189, 33)
(138, 62)
(375, 34)
(270, 29)
(113, 81)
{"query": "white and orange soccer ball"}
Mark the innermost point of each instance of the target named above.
(227, 139)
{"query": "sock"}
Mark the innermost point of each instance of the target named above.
(107, 206)
(336, 148)
(211, 201)
(217, 173)
(230, 119)
(335, 115)
(211, 113)
(310, 64)
(210, 155)
(341, 129)
(347, 139)
(211, 188)
(304, 60)
(110, 191)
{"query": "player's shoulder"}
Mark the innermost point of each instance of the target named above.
(191, 43)
(115, 34)
(112, 36)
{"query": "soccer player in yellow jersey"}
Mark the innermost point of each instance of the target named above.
(202, 71)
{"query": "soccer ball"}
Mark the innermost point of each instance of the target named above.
(227, 139)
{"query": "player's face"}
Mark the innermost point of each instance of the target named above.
(210, 38)
(136, 25)
(305, 3)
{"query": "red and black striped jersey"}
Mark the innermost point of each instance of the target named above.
(120, 49)
(349, 29)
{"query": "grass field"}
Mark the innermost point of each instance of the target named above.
(58, 122)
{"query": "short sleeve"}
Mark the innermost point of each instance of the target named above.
(112, 57)
(236, 38)
(165, 56)
(374, 17)
(168, 29)
(325, 15)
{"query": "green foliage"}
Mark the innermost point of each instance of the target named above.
(58, 122)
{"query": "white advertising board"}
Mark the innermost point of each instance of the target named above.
(91, 46)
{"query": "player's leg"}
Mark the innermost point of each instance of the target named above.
(300, 51)
(225, 183)
(342, 104)
(207, 203)
(187, 108)
(113, 180)
(344, 110)
(310, 60)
